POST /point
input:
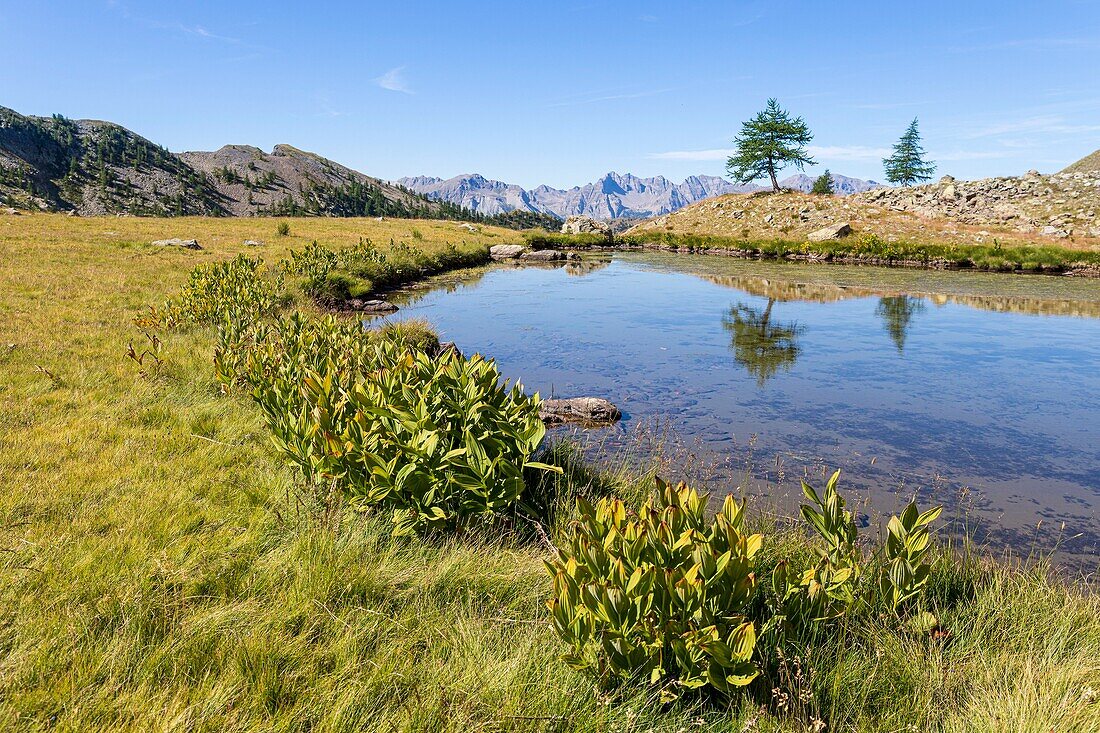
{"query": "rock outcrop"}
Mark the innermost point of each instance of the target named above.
(578, 224)
(1014, 210)
(1054, 205)
(833, 231)
(583, 410)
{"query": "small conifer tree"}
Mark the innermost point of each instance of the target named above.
(907, 165)
(823, 184)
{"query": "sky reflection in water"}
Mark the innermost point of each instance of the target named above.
(957, 385)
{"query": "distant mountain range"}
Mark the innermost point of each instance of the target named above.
(614, 196)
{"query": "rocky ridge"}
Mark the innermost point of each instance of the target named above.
(90, 168)
(1059, 205)
(288, 180)
(1032, 208)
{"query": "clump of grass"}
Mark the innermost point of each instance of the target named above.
(413, 333)
(331, 276)
(283, 229)
(541, 239)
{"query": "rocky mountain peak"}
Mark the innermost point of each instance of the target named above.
(613, 196)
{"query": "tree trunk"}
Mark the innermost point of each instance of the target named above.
(775, 183)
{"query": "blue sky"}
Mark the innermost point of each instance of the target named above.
(560, 93)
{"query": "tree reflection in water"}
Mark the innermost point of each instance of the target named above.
(897, 311)
(761, 346)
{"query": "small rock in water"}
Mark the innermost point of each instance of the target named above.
(177, 242)
(375, 306)
(446, 348)
(584, 410)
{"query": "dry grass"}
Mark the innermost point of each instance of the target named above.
(158, 571)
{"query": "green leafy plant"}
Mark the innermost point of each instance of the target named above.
(283, 229)
(905, 566)
(439, 442)
(228, 291)
(660, 594)
(832, 521)
(827, 589)
(842, 581)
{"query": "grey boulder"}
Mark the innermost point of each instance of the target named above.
(506, 251)
(833, 231)
(584, 410)
(373, 306)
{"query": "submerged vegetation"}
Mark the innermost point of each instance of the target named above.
(168, 566)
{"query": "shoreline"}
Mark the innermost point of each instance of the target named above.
(1083, 270)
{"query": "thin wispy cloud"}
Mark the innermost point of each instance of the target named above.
(324, 106)
(888, 105)
(848, 152)
(1039, 124)
(648, 19)
(394, 81)
(194, 30)
(970, 155)
(1035, 43)
(201, 32)
(602, 97)
(693, 155)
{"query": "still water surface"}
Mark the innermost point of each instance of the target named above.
(978, 391)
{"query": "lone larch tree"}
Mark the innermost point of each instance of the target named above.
(769, 142)
(908, 165)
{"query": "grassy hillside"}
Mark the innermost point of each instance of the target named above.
(161, 572)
